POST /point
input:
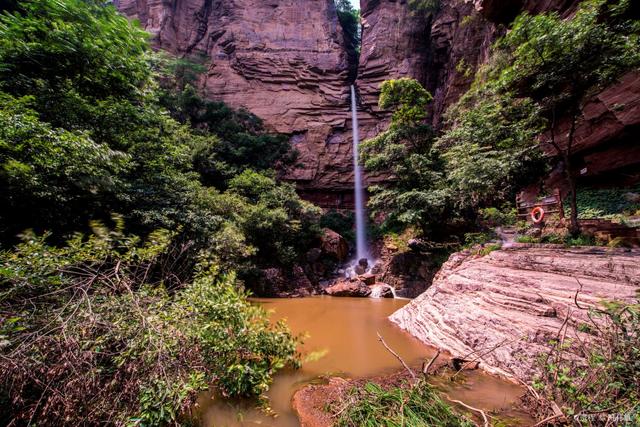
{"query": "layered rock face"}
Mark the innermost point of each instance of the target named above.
(286, 61)
(505, 307)
(283, 60)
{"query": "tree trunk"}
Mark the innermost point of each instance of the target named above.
(574, 226)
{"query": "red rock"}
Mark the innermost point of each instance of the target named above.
(368, 279)
(334, 245)
(348, 288)
(516, 300)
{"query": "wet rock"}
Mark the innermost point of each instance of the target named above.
(359, 270)
(368, 279)
(381, 290)
(363, 262)
(516, 300)
(334, 245)
(349, 288)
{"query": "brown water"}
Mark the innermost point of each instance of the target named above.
(343, 330)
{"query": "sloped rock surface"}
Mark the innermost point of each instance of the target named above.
(514, 301)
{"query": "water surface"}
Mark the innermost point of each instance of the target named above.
(345, 331)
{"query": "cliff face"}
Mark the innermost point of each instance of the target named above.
(507, 306)
(283, 60)
(287, 62)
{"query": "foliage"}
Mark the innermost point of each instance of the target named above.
(478, 238)
(424, 5)
(407, 98)
(349, 18)
(606, 203)
(93, 320)
(240, 140)
(419, 405)
(607, 378)
(490, 148)
(416, 195)
(544, 67)
(340, 222)
(274, 219)
(67, 156)
(493, 217)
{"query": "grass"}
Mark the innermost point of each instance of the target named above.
(373, 405)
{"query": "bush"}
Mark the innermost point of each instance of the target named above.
(607, 380)
(478, 238)
(91, 334)
(495, 217)
(340, 222)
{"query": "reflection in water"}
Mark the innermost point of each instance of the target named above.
(345, 328)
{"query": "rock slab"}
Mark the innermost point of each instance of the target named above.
(514, 301)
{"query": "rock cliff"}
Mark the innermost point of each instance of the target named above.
(287, 62)
(506, 306)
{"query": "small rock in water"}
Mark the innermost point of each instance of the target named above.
(381, 290)
(359, 269)
(368, 279)
(364, 263)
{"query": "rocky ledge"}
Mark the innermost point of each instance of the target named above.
(505, 307)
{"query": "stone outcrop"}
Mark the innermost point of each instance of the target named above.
(287, 62)
(334, 245)
(506, 306)
(349, 288)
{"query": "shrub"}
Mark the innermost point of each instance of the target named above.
(498, 217)
(91, 334)
(607, 379)
(477, 238)
(340, 222)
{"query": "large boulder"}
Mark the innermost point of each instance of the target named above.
(508, 306)
(349, 288)
(334, 245)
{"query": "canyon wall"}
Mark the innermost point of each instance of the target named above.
(287, 62)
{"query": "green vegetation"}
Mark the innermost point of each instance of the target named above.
(544, 68)
(102, 330)
(349, 18)
(125, 323)
(608, 203)
(67, 156)
(340, 222)
(419, 405)
(417, 195)
(611, 377)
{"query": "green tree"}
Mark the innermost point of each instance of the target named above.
(416, 194)
(560, 63)
(490, 148)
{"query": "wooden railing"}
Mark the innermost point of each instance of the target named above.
(551, 204)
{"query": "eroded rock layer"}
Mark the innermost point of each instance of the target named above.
(286, 61)
(505, 307)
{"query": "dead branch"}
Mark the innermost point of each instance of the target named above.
(426, 367)
(480, 411)
(413, 375)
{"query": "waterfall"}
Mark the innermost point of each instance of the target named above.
(361, 238)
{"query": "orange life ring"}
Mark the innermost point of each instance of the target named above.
(537, 214)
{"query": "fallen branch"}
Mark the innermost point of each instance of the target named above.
(480, 411)
(547, 420)
(413, 375)
(425, 368)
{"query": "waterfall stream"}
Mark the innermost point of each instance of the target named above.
(361, 237)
